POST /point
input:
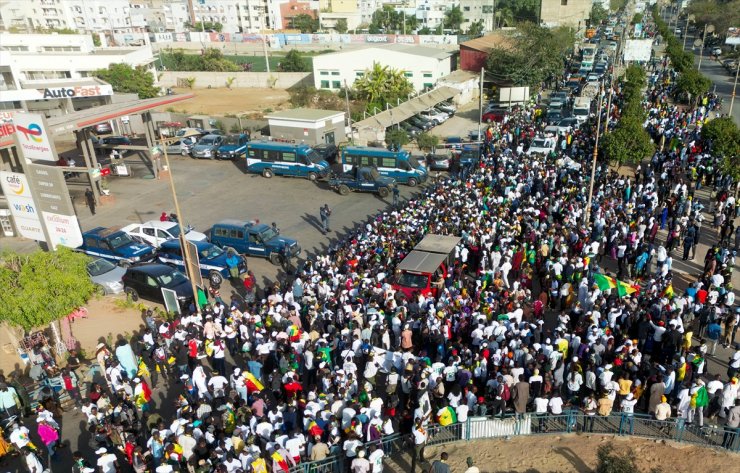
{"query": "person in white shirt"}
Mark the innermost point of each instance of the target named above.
(540, 410)
(628, 409)
(376, 459)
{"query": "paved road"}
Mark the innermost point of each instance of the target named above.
(722, 80)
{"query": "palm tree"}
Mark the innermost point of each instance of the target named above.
(382, 85)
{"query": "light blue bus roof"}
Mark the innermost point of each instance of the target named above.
(370, 151)
(276, 145)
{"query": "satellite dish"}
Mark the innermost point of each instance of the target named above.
(697, 43)
(710, 28)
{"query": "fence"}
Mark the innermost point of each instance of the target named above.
(479, 428)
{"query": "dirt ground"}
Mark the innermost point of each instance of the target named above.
(105, 321)
(577, 453)
(223, 101)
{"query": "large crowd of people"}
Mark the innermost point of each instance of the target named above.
(536, 314)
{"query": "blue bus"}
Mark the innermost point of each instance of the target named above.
(285, 159)
(400, 165)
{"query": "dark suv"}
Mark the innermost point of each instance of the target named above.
(147, 280)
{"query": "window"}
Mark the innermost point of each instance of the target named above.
(41, 75)
(428, 85)
(487, 9)
(324, 84)
(359, 73)
(324, 73)
(336, 84)
(238, 234)
(14, 48)
(408, 74)
(564, 2)
(388, 162)
(466, 8)
(427, 74)
(148, 231)
(288, 157)
(335, 73)
(150, 281)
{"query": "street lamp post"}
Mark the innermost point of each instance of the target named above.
(587, 212)
(686, 30)
(183, 242)
(707, 29)
(734, 86)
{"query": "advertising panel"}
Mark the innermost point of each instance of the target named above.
(25, 214)
(32, 136)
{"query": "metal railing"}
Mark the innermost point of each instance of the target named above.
(480, 428)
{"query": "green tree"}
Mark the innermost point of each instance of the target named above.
(692, 83)
(475, 28)
(720, 13)
(513, 12)
(204, 26)
(389, 20)
(598, 14)
(126, 79)
(616, 5)
(294, 62)
(341, 26)
(427, 141)
(382, 85)
(723, 137)
(96, 40)
(424, 30)
(637, 18)
(629, 143)
(453, 18)
(213, 60)
(396, 137)
(42, 287)
(304, 22)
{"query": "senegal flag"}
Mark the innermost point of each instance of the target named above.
(623, 289)
(253, 384)
(279, 463)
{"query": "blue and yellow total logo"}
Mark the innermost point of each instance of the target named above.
(32, 133)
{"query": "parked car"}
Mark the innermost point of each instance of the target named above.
(446, 107)
(553, 116)
(102, 128)
(115, 245)
(147, 280)
(185, 132)
(558, 99)
(542, 145)
(435, 116)
(410, 129)
(106, 276)
(110, 142)
(423, 124)
(155, 232)
(182, 146)
(233, 146)
(211, 258)
(438, 162)
(207, 146)
(494, 115)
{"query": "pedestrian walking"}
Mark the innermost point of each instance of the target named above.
(325, 213)
(90, 200)
(396, 193)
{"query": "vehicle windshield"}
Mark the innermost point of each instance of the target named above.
(99, 266)
(208, 140)
(538, 144)
(414, 162)
(313, 156)
(231, 140)
(120, 239)
(413, 281)
(210, 252)
(580, 111)
(174, 230)
(268, 234)
(172, 279)
(374, 174)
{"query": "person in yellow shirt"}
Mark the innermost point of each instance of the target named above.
(625, 385)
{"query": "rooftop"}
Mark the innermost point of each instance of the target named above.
(487, 43)
(400, 48)
(304, 114)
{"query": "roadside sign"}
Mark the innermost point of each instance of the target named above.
(171, 303)
(193, 261)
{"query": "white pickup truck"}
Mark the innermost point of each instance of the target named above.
(582, 109)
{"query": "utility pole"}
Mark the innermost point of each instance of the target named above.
(349, 115)
(264, 49)
(587, 212)
(707, 29)
(686, 30)
(480, 102)
(734, 87)
(183, 241)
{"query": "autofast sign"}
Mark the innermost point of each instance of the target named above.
(25, 213)
(52, 93)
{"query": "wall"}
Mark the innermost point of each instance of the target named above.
(472, 59)
(573, 13)
(243, 80)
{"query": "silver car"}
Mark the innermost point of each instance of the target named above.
(206, 147)
(106, 276)
(182, 146)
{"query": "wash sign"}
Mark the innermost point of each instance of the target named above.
(25, 213)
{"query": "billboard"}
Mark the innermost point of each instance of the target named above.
(32, 136)
(638, 50)
(22, 207)
(52, 196)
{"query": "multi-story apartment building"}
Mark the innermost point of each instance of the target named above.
(477, 10)
(84, 16)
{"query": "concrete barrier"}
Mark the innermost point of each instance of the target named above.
(242, 80)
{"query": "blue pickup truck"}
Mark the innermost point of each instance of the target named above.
(233, 146)
(212, 259)
(254, 239)
(116, 246)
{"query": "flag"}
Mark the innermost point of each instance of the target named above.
(314, 429)
(668, 291)
(604, 282)
(253, 384)
(624, 289)
(279, 463)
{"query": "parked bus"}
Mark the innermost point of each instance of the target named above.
(400, 165)
(285, 159)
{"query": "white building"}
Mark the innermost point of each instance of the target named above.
(431, 13)
(477, 10)
(238, 16)
(422, 66)
(38, 67)
(84, 16)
